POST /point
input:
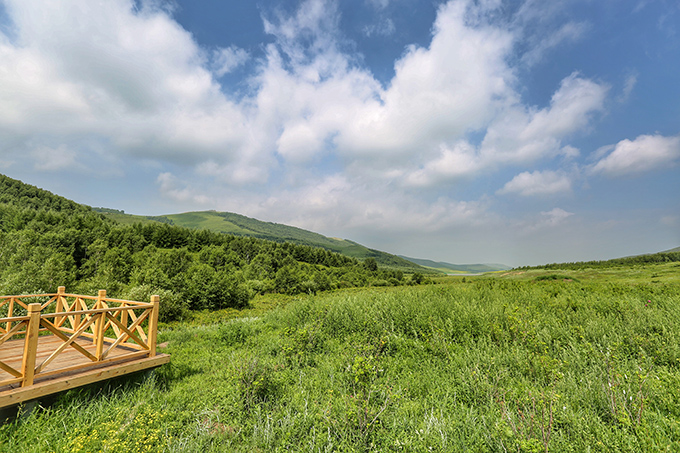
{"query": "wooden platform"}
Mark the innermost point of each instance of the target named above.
(70, 369)
(54, 342)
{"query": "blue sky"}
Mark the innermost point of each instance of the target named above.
(519, 132)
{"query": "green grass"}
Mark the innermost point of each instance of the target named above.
(590, 362)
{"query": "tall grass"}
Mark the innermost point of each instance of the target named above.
(488, 365)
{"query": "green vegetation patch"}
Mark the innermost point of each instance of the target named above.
(492, 364)
(554, 277)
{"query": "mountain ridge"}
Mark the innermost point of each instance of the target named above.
(449, 268)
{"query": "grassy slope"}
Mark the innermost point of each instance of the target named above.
(481, 364)
(226, 222)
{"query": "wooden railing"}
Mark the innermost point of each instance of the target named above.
(125, 327)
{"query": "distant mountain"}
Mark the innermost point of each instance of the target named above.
(457, 268)
(240, 225)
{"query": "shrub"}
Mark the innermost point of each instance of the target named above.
(173, 306)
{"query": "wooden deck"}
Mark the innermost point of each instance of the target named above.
(62, 343)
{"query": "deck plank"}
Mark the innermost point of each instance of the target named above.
(81, 371)
(62, 383)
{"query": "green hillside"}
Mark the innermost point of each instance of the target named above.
(227, 222)
(239, 225)
(48, 241)
(457, 268)
(24, 195)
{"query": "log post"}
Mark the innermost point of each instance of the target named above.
(98, 339)
(60, 298)
(30, 345)
(10, 311)
(60, 305)
(153, 324)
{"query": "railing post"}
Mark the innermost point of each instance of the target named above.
(30, 345)
(153, 325)
(10, 311)
(99, 325)
(60, 298)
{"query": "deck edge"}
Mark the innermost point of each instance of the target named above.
(16, 396)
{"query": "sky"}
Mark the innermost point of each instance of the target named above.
(467, 131)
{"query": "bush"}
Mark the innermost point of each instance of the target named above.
(173, 307)
(237, 331)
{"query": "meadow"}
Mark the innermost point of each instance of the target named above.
(529, 361)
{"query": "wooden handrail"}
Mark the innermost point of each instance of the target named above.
(108, 327)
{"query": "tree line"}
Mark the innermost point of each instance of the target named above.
(662, 257)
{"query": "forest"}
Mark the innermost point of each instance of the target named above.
(48, 241)
(652, 258)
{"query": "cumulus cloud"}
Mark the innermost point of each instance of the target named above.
(457, 161)
(132, 77)
(643, 154)
(437, 94)
(537, 183)
(138, 82)
(524, 134)
(324, 203)
(520, 134)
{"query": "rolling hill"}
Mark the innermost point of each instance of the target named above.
(240, 225)
(457, 268)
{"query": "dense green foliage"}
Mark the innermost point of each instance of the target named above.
(491, 365)
(652, 258)
(47, 241)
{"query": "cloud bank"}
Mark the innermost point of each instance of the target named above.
(314, 138)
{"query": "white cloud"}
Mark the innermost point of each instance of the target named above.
(327, 202)
(524, 134)
(454, 162)
(437, 94)
(628, 86)
(645, 153)
(50, 159)
(537, 183)
(225, 60)
(379, 4)
(520, 134)
(384, 27)
(139, 85)
(139, 81)
(571, 31)
(133, 78)
(171, 187)
(555, 217)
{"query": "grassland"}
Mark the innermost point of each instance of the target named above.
(520, 361)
